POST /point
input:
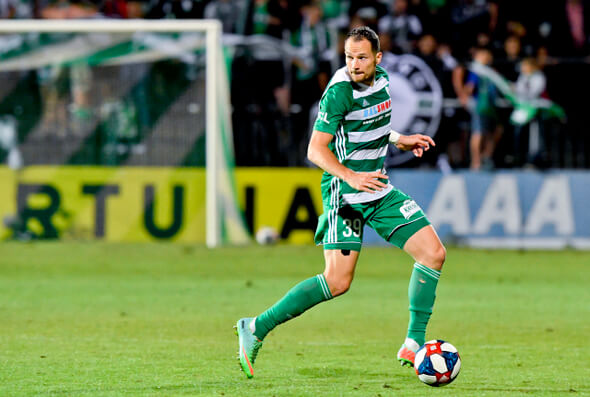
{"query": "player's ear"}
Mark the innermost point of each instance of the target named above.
(378, 57)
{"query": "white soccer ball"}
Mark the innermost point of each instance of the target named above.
(267, 235)
(437, 363)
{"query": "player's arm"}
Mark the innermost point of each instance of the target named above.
(417, 143)
(319, 153)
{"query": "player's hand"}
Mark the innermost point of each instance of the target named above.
(367, 181)
(417, 143)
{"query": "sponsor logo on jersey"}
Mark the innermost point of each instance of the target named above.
(377, 109)
(409, 208)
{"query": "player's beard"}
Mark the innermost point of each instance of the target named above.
(368, 79)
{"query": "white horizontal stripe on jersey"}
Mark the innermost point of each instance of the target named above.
(370, 90)
(368, 154)
(367, 136)
(365, 197)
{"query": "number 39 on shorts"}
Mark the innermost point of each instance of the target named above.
(353, 227)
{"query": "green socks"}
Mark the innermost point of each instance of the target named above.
(301, 297)
(312, 291)
(421, 292)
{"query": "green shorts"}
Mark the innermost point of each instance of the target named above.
(395, 217)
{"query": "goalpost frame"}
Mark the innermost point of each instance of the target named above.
(212, 29)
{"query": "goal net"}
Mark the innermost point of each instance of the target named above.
(120, 93)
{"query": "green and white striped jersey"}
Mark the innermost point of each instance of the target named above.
(359, 118)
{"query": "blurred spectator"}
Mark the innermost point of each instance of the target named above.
(434, 15)
(402, 28)
(284, 17)
(178, 9)
(521, 19)
(482, 109)
(508, 64)
(439, 59)
(231, 13)
(483, 39)
(366, 12)
(60, 84)
(260, 89)
(260, 17)
(426, 49)
(15, 9)
(531, 85)
(450, 65)
(69, 9)
(335, 13)
(435, 5)
(470, 17)
(311, 73)
(543, 58)
(121, 9)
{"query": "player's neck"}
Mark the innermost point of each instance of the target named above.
(370, 81)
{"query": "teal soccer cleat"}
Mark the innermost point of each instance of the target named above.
(248, 345)
(407, 353)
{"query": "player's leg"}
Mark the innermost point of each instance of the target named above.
(340, 232)
(399, 220)
(342, 244)
(334, 281)
(429, 255)
(252, 331)
(297, 300)
(339, 271)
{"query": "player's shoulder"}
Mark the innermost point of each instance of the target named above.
(340, 86)
(380, 72)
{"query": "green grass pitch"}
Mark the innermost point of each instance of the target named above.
(98, 319)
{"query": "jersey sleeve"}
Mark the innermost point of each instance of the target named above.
(334, 105)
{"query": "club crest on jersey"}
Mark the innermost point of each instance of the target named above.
(379, 108)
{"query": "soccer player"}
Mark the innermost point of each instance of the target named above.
(349, 142)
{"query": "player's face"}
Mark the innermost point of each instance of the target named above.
(361, 61)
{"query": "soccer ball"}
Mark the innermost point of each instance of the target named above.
(267, 235)
(437, 363)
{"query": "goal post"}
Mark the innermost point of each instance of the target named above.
(224, 219)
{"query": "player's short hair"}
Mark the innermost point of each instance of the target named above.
(365, 32)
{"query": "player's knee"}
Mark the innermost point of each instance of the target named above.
(338, 284)
(434, 257)
(438, 257)
(340, 287)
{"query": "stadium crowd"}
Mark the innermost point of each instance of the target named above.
(541, 47)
